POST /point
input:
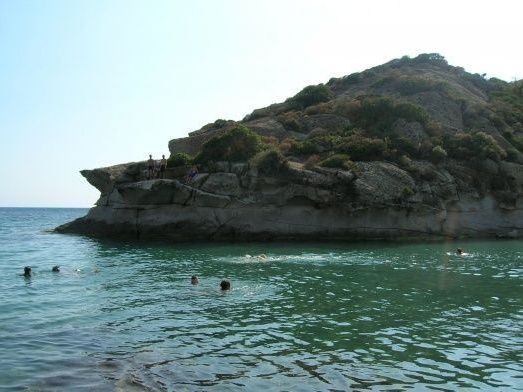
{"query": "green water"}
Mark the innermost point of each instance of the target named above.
(363, 316)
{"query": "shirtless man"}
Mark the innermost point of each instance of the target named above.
(150, 167)
(163, 165)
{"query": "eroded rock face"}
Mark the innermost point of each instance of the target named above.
(226, 184)
(329, 122)
(514, 173)
(239, 204)
(382, 182)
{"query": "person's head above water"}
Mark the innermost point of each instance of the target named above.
(225, 284)
(27, 271)
(459, 251)
(194, 279)
(56, 268)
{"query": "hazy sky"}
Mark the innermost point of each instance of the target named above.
(85, 84)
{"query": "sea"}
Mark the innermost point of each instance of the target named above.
(361, 316)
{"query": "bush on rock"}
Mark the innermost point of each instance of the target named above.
(270, 161)
(238, 144)
(179, 159)
(337, 161)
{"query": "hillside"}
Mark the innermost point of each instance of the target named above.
(411, 148)
(423, 100)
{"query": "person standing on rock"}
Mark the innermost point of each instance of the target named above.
(163, 165)
(150, 167)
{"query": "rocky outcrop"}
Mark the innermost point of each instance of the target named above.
(382, 201)
(404, 189)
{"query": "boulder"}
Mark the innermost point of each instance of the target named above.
(329, 122)
(382, 182)
(413, 130)
(222, 184)
(206, 199)
(154, 192)
(514, 172)
(268, 126)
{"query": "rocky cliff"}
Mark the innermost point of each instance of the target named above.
(414, 148)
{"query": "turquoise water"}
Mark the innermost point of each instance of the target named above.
(363, 316)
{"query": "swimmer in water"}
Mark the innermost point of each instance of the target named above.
(260, 257)
(194, 280)
(459, 251)
(56, 268)
(225, 285)
(27, 272)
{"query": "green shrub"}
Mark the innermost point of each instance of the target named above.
(350, 80)
(305, 147)
(517, 141)
(434, 58)
(179, 159)
(346, 107)
(361, 148)
(414, 85)
(407, 192)
(507, 101)
(424, 58)
(512, 155)
(290, 120)
(435, 129)
(326, 142)
(219, 123)
(476, 145)
(405, 161)
(312, 161)
(409, 86)
(321, 108)
(378, 114)
(438, 154)
(404, 145)
(238, 144)
(425, 148)
(270, 162)
(309, 96)
(338, 161)
(270, 141)
(286, 145)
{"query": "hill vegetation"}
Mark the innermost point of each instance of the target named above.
(409, 109)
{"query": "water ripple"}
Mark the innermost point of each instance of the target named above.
(300, 317)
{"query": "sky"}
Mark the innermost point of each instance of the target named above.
(86, 84)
